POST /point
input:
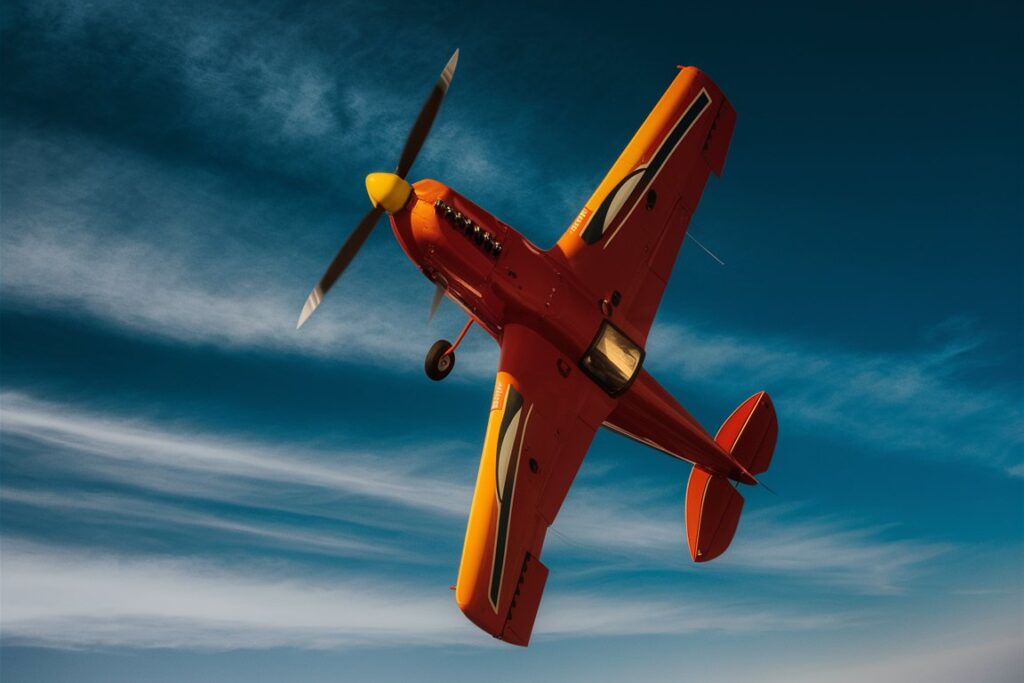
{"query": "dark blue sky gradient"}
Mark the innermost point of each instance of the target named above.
(191, 489)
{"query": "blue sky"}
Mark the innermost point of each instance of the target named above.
(190, 489)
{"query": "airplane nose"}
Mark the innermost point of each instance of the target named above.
(388, 191)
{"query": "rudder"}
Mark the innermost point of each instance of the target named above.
(749, 434)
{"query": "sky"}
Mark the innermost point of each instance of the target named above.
(192, 489)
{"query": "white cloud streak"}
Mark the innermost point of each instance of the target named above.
(145, 455)
(170, 259)
(999, 660)
(62, 597)
(136, 244)
(917, 401)
(70, 244)
(635, 532)
(604, 524)
(858, 558)
(111, 510)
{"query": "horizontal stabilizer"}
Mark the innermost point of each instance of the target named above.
(713, 508)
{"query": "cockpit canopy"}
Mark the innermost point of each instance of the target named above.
(612, 360)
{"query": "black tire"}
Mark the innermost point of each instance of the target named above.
(438, 365)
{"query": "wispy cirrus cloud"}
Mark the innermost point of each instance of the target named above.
(612, 527)
(106, 231)
(170, 259)
(236, 96)
(920, 401)
(144, 455)
(236, 281)
(633, 531)
(147, 516)
(63, 597)
(999, 659)
(841, 553)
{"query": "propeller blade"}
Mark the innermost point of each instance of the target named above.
(438, 295)
(421, 128)
(340, 263)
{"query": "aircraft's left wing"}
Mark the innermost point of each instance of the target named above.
(624, 242)
(544, 414)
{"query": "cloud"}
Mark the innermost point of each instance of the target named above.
(169, 259)
(600, 614)
(600, 523)
(864, 559)
(148, 456)
(194, 252)
(62, 597)
(638, 532)
(999, 660)
(921, 401)
(125, 241)
(222, 85)
(178, 250)
(114, 510)
(233, 93)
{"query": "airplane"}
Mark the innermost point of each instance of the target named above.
(572, 322)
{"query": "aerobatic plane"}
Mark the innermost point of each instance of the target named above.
(572, 322)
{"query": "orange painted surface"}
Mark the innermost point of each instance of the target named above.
(540, 426)
(471, 589)
(545, 308)
(635, 254)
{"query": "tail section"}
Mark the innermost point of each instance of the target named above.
(749, 433)
(713, 509)
(713, 505)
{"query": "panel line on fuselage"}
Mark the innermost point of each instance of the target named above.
(645, 442)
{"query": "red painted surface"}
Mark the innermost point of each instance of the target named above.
(749, 434)
(713, 509)
(545, 308)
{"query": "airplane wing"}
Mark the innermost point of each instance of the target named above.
(544, 414)
(624, 242)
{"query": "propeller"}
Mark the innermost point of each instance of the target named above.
(435, 302)
(388, 193)
(425, 120)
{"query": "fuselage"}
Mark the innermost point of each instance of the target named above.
(514, 282)
(500, 278)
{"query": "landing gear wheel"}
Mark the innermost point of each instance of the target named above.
(438, 365)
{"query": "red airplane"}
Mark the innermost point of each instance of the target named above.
(572, 322)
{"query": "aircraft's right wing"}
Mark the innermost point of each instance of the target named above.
(626, 238)
(543, 417)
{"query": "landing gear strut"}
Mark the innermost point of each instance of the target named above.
(441, 356)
